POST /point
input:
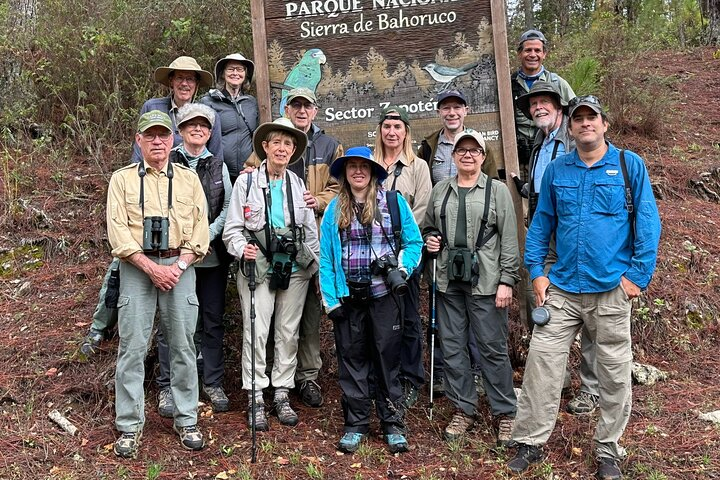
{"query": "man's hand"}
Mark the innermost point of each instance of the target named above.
(503, 297)
(433, 243)
(631, 290)
(310, 200)
(165, 277)
(540, 286)
(250, 252)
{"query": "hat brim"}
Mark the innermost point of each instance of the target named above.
(595, 108)
(523, 101)
(248, 64)
(262, 132)
(162, 76)
(337, 168)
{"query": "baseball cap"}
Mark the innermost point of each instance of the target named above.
(531, 35)
(445, 94)
(393, 112)
(301, 92)
(154, 118)
(194, 110)
(469, 133)
(590, 101)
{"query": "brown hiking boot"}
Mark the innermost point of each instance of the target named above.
(503, 427)
(459, 425)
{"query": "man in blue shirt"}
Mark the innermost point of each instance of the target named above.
(606, 255)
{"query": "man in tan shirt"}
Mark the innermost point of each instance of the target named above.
(157, 226)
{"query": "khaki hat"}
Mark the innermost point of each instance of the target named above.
(477, 136)
(195, 110)
(301, 92)
(282, 124)
(154, 118)
(235, 57)
(188, 64)
(539, 88)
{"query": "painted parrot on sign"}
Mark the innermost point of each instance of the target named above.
(306, 73)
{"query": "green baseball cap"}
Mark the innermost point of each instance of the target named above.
(154, 118)
(393, 112)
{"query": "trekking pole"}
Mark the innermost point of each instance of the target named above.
(250, 266)
(433, 327)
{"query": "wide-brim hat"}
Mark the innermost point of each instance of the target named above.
(188, 64)
(235, 57)
(337, 168)
(539, 88)
(282, 124)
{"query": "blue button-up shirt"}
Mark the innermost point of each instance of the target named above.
(545, 156)
(585, 207)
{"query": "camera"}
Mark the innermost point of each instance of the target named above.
(359, 287)
(387, 266)
(540, 316)
(155, 233)
(283, 244)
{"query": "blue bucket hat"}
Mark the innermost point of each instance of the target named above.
(337, 169)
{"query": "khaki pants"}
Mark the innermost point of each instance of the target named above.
(287, 306)
(606, 317)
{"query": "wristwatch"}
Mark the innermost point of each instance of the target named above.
(182, 265)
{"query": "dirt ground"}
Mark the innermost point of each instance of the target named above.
(53, 258)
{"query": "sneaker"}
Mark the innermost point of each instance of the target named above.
(91, 342)
(479, 385)
(190, 437)
(285, 413)
(127, 445)
(166, 403)
(526, 455)
(218, 399)
(608, 469)
(504, 426)
(261, 423)
(438, 386)
(310, 394)
(410, 394)
(397, 443)
(350, 442)
(458, 426)
(583, 403)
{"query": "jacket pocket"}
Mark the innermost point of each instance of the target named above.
(254, 217)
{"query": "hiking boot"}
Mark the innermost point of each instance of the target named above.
(218, 399)
(190, 437)
(397, 443)
(127, 445)
(410, 394)
(285, 413)
(350, 441)
(310, 394)
(526, 455)
(91, 342)
(261, 423)
(166, 403)
(438, 386)
(504, 426)
(583, 403)
(608, 469)
(458, 426)
(479, 385)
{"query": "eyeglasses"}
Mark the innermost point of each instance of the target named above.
(584, 99)
(197, 124)
(474, 152)
(149, 137)
(238, 68)
(299, 105)
(185, 78)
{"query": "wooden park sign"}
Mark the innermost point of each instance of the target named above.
(359, 56)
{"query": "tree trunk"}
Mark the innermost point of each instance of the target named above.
(20, 27)
(529, 14)
(711, 10)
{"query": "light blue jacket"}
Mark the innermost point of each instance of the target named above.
(333, 284)
(585, 208)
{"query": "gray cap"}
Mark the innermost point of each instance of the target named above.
(590, 101)
(194, 110)
(531, 35)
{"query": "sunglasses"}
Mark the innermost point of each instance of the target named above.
(592, 99)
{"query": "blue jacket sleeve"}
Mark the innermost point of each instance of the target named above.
(647, 223)
(328, 236)
(543, 225)
(411, 240)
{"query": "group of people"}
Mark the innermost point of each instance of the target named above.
(314, 227)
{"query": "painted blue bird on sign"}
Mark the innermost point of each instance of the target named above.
(306, 73)
(445, 75)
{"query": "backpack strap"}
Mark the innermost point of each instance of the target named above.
(396, 173)
(394, 208)
(628, 192)
(482, 239)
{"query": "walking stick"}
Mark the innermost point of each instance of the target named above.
(433, 327)
(250, 266)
